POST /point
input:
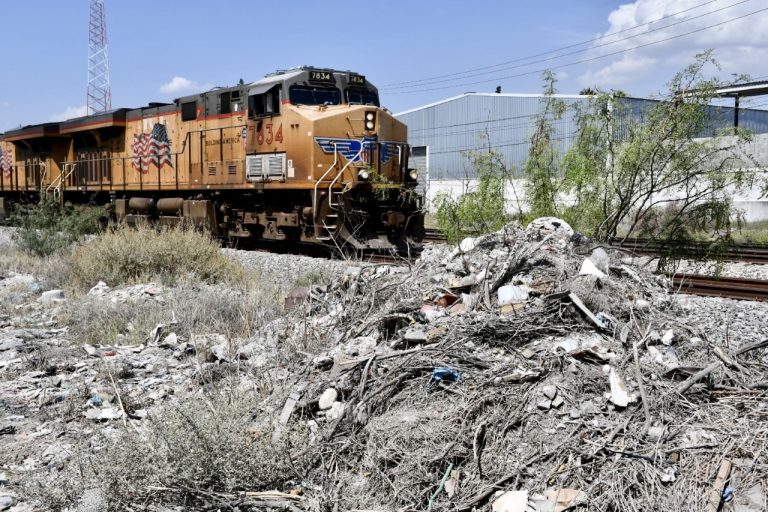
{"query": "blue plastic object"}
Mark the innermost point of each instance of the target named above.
(728, 494)
(444, 375)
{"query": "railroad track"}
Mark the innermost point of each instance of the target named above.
(751, 253)
(434, 236)
(727, 287)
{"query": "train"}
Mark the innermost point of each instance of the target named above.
(304, 155)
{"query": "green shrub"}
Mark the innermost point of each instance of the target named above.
(129, 255)
(48, 228)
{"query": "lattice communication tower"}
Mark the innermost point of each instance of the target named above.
(99, 95)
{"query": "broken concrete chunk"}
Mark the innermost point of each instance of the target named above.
(511, 501)
(467, 244)
(589, 269)
(511, 294)
(543, 226)
(107, 413)
(549, 392)
(452, 484)
(415, 335)
(335, 412)
(600, 258)
(52, 297)
(619, 392)
(327, 399)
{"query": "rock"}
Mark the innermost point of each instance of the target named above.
(415, 335)
(589, 269)
(360, 346)
(335, 412)
(170, 340)
(90, 350)
(511, 501)
(642, 305)
(600, 258)
(327, 399)
(452, 484)
(543, 226)
(549, 392)
(619, 392)
(99, 290)
(6, 501)
(668, 338)
(107, 413)
(217, 352)
(511, 294)
(557, 402)
(543, 405)
(52, 297)
(655, 433)
(467, 244)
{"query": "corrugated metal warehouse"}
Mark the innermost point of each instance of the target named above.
(442, 132)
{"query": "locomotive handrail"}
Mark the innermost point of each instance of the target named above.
(317, 183)
(341, 174)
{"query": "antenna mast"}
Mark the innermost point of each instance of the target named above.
(99, 95)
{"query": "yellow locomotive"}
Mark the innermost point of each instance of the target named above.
(303, 155)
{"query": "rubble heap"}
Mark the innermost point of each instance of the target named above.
(525, 370)
(520, 369)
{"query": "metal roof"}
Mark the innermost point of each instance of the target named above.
(743, 90)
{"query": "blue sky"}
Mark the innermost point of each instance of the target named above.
(159, 49)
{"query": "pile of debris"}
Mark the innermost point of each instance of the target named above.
(526, 370)
(522, 370)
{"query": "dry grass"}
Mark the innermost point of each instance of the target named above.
(235, 313)
(190, 453)
(169, 255)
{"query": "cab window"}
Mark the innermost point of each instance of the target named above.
(309, 95)
(362, 96)
(265, 104)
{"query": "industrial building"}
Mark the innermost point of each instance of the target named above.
(441, 133)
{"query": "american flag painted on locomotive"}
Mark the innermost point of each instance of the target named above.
(6, 162)
(152, 148)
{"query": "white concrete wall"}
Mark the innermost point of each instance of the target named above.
(750, 203)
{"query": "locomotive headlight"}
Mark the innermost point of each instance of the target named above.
(413, 173)
(370, 120)
(363, 174)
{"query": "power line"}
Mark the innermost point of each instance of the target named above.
(503, 66)
(582, 61)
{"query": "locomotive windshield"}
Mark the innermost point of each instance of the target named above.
(309, 95)
(362, 96)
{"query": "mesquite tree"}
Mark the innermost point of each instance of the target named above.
(649, 171)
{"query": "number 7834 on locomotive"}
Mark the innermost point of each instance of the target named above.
(303, 155)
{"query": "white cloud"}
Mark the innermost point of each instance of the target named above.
(4, 104)
(739, 44)
(70, 113)
(180, 84)
(619, 72)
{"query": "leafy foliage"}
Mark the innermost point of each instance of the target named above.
(542, 169)
(481, 209)
(647, 173)
(49, 227)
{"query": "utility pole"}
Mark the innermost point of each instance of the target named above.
(99, 95)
